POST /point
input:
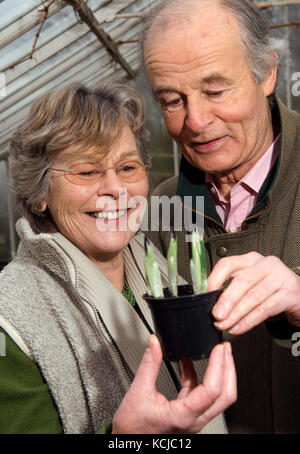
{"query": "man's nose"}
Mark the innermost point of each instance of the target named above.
(198, 115)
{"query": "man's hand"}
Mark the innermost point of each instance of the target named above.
(261, 287)
(145, 410)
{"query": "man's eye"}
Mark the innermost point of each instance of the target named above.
(171, 104)
(174, 102)
(215, 94)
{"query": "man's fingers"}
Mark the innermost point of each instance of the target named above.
(228, 266)
(274, 305)
(243, 299)
(146, 375)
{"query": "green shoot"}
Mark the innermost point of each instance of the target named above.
(203, 266)
(195, 262)
(172, 266)
(152, 272)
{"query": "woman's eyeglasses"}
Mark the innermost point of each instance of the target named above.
(89, 173)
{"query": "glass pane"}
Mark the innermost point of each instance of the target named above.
(294, 14)
(161, 148)
(4, 229)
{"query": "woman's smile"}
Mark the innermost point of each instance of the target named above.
(102, 217)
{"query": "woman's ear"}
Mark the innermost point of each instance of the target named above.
(43, 206)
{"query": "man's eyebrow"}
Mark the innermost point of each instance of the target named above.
(208, 80)
(216, 79)
(163, 90)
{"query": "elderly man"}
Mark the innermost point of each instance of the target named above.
(213, 67)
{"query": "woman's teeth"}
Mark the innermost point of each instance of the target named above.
(110, 215)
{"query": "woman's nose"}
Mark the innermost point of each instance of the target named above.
(110, 184)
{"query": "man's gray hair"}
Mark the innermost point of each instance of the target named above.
(262, 49)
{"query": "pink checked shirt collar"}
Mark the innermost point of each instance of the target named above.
(243, 195)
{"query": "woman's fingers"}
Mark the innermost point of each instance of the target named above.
(137, 412)
(228, 394)
(146, 375)
(204, 395)
(144, 410)
(217, 392)
(188, 377)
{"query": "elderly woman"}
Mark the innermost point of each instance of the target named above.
(71, 307)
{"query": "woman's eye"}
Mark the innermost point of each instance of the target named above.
(128, 167)
(89, 172)
(85, 170)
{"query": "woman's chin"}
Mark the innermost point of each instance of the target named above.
(112, 242)
(103, 236)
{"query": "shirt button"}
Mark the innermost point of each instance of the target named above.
(221, 251)
(233, 229)
(213, 190)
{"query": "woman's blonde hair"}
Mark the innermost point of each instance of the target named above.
(73, 114)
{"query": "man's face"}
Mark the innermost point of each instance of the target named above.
(211, 104)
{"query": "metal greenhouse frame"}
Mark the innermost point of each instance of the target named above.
(45, 43)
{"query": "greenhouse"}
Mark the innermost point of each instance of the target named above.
(149, 218)
(45, 44)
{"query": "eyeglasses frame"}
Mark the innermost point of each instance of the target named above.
(102, 175)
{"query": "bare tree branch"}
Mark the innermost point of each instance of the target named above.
(87, 16)
(44, 12)
(290, 24)
(264, 5)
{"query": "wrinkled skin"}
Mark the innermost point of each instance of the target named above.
(144, 410)
(219, 115)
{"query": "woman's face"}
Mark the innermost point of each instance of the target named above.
(102, 217)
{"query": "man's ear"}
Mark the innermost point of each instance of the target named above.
(270, 81)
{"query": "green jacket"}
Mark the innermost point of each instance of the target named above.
(268, 375)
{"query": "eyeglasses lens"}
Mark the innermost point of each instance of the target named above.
(90, 173)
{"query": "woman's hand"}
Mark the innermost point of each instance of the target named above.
(145, 410)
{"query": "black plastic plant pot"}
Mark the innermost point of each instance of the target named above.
(184, 323)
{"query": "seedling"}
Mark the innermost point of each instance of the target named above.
(197, 267)
(152, 272)
(172, 265)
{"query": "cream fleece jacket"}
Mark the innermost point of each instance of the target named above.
(80, 330)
